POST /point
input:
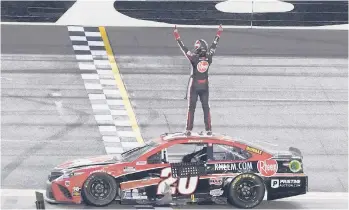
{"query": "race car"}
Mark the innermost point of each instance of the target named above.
(178, 169)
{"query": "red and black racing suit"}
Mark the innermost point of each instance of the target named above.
(198, 84)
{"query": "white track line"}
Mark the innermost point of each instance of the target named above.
(74, 28)
(96, 96)
(90, 76)
(111, 139)
(81, 47)
(87, 66)
(94, 34)
(78, 38)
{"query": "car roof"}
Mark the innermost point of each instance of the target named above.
(168, 137)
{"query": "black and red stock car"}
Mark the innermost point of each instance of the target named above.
(176, 168)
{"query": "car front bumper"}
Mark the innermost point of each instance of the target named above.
(56, 193)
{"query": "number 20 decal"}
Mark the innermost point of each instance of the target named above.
(184, 186)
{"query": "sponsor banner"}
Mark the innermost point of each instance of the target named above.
(285, 183)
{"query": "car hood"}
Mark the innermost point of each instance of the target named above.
(89, 161)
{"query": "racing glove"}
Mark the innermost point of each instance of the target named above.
(176, 33)
(219, 31)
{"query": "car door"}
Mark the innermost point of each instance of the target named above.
(229, 160)
(190, 170)
(181, 164)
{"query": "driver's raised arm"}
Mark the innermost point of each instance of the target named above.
(184, 49)
(214, 44)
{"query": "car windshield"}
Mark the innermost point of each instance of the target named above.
(136, 152)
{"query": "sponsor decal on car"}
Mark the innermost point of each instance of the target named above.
(216, 192)
(67, 183)
(99, 171)
(239, 177)
(129, 169)
(76, 191)
(127, 194)
(216, 181)
(246, 166)
(267, 167)
(282, 183)
(254, 150)
(137, 195)
(295, 166)
(134, 194)
(195, 141)
(141, 163)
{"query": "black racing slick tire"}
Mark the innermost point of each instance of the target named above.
(246, 191)
(99, 189)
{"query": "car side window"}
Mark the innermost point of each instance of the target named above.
(155, 158)
(187, 153)
(226, 152)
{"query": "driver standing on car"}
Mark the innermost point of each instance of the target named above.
(200, 59)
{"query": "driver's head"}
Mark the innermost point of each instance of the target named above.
(200, 47)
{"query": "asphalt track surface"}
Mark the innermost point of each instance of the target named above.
(284, 87)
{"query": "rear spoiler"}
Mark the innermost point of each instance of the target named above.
(296, 151)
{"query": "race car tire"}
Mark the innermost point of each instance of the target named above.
(250, 184)
(94, 184)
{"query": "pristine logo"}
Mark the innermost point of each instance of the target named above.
(274, 183)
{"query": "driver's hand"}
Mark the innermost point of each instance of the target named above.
(176, 33)
(220, 28)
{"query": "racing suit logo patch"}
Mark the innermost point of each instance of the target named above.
(202, 66)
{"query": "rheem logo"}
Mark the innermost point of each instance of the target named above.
(267, 167)
(202, 66)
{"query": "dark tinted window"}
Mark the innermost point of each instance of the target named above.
(225, 152)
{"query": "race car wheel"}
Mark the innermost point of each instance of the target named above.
(246, 191)
(99, 189)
